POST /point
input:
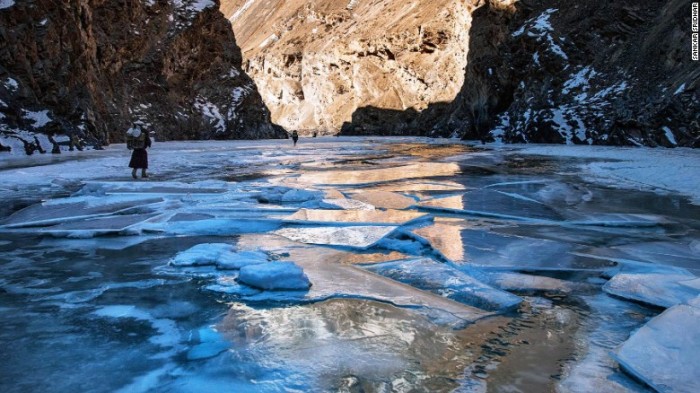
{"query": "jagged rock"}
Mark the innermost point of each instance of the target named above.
(92, 67)
(316, 62)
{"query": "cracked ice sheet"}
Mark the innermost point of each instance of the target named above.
(465, 243)
(74, 208)
(448, 282)
(332, 279)
(665, 353)
(494, 204)
(633, 168)
(655, 285)
(384, 199)
(355, 217)
(360, 237)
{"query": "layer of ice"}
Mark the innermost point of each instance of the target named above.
(361, 237)
(345, 204)
(224, 256)
(355, 217)
(275, 276)
(493, 204)
(655, 286)
(446, 281)
(384, 199)
(665, 353)
(210, 343)
(373, 176)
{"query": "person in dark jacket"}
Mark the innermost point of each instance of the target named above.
(295, 137)
(138, 141)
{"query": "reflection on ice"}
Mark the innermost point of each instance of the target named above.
(372, 176)
(355, 217)
(361, 237)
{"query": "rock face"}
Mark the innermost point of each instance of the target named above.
(317, 61)
(581, 72)
(91, 67)
(569, 72)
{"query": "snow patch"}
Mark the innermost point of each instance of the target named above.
(6, 4)
(669, 135)
(241, 10)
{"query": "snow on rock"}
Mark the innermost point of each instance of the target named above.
(656, 287)
(665, 353)
(275, 276)
(361, 237)
(541, 29)
(210, 111)
(448, 282)
(6, 4)
(223, 255)
(39, 118)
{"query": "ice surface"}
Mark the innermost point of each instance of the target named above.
(655, 286)
(275, 276)
(372, 176)
(168, 334)
(361, 237)
(345, 204)
(665, 353)
(491, 203)
(446, 281)
(63, 210)
(355, 217)
(223, 255)
(523, 283)
(210, 343)
(384, 199)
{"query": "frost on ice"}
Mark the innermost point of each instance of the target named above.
(275, 276)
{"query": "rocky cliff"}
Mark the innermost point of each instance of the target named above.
(584, 72)
(317, 61)
(91, 67)
(587, 72)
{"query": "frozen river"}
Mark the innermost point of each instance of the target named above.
(433, 267)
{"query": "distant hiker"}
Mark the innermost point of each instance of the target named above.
(56, 149)
(295, 137)
(138, 141)
(38, 146)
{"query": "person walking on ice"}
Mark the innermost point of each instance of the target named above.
(138, 141)
(295, 137)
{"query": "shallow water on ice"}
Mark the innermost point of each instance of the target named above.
(90, 301)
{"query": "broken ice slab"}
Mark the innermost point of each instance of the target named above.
(526, 283)
(213, 227)
(493, 250)
(361, 237)
(75, 208)
(384, 199)
(355, 217)
(345, 204)
(420, 186)
(372, 176)
(333, 278)
(665, 353)
(681, 252)
(448, 282)
(100, 226)
(655, 285)
(223, 255)
(275, 276)
(493, 204)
